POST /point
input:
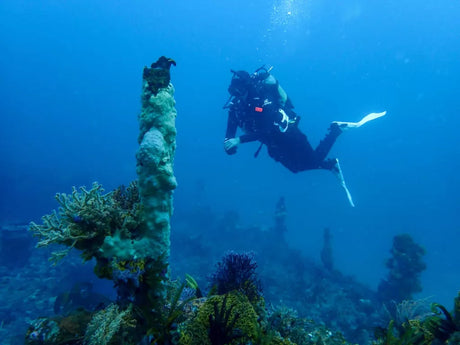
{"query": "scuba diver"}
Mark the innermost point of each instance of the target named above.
(260, 107)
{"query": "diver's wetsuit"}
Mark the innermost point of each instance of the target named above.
(257, 114)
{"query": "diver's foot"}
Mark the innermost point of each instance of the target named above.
(343, 126)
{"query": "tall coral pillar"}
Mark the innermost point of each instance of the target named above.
(155, 156)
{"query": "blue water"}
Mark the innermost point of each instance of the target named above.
(70, 82)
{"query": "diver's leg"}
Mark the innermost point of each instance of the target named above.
(331, 164)
(328, 164)
(325, 145)
(293, 150)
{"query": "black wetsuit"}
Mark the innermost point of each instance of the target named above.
(257, 114)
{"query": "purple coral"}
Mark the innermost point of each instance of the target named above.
(127, 282)
(237, 271)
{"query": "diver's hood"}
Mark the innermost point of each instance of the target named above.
(240, 83)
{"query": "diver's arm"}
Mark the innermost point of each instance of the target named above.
(231, 142)
(232, 125)
(282, 95)
(248, 137)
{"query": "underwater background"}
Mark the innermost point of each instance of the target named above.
(70, 82)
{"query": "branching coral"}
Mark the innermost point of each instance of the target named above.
(440, 327)
(105, 324)
(300, 331)
(86, 217)
(407, 310)
(60, 330)
(83, 219)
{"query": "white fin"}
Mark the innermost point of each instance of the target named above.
(365, 119)
(338, 173)
(350, 199)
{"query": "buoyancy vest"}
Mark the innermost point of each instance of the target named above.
(258, 111)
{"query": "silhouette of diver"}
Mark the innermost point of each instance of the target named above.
(261, 108)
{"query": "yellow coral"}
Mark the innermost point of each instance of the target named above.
(195, 332)
(132, 266)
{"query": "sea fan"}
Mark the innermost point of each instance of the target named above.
(237, 271)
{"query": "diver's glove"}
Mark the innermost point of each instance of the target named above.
(231, 145)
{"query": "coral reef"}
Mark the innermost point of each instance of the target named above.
(107, 326)
(164, 322)
(157, 76)
(81, 295)
(438, 327)
(405, 266)
(15, 246)
(300, 331)
(326, 252)
(127, 232)
(231, 317)
(155, 159)
(83, 218)
(287, 276)
(86, 218)
(222, 319)
(130, 223)
(237, 272)
(409, 310)
(107, 323)
(37, 288)
(59, 330)
(280, 227)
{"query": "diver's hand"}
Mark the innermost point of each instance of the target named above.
(231, 145)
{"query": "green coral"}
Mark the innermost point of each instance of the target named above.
(106, 324)
(270, 337)
(231, 319)
(457, 311)
(83, 218)
(163, 322)
(86, 217)
(68, 330)
(127, 231)
(234, 309)
(42, 330)
(155, 158)
(441, 327)
(301, 331)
